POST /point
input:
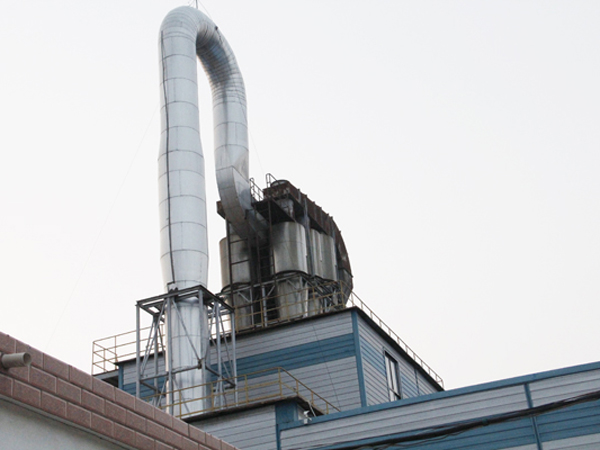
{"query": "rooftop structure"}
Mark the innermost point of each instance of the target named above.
(286, 356)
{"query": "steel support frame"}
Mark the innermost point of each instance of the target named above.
(155, 344)
(330, 295)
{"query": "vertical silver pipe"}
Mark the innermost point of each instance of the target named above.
(186, 34)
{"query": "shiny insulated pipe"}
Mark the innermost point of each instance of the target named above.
(187, 34)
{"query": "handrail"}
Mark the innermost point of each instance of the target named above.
(312, 300)
(250, 388)
(109, 351)
(355, 300)
(255, 191)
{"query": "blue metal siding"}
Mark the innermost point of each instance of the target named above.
(377, 391)
(248, 430)
(425, 388)
(144, 390)
(404, 416)
(373, 347)
(336, 381)
(298, 356)
(303, 355)
(361, 367)
(578, 420)
(493, 437)
(576, 427)
(372, 356)
(408, 387)
(287, 336)
(321, 353)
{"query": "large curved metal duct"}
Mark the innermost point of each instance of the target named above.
(187, 33)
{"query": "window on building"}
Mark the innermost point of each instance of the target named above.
(391, 369)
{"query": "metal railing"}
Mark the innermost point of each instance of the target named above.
(309, 300)
(302, 298)
(251, 388)
(108, 352)
(312, 300)
(354, 300)
(255, 191)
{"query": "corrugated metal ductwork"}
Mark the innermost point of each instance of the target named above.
(185, 34)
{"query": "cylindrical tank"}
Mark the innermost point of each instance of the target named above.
(240, 272)
(240, 261)
(289, 247)
(290, 255)
(329, 270)
(316, 252)
(292, 297)
(324, 266)
(323, 255)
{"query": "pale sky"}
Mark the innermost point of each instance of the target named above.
(456, 144)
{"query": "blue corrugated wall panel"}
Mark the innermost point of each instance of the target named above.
(297, 356)
(144, 390)
(375, 357)
(372, 356)
(492, 437)
(408, 386)
(577, 420)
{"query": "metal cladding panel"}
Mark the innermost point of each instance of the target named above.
(336, 381)
(292, 299)
(240, 259)
(560, 388)
(302, 355)
(316, 244)
(373, 347)
(323, 255)
(586, 442)
(329, 264)
(424, 386)
(289, 247)
(284, 337)
(583, 419)
(409, 417)
(319, 352)
(129, 376)
(563, 425)
(517, 435)
(248, 430)
(375, 385)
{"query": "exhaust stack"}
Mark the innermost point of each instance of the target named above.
(186, 34)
